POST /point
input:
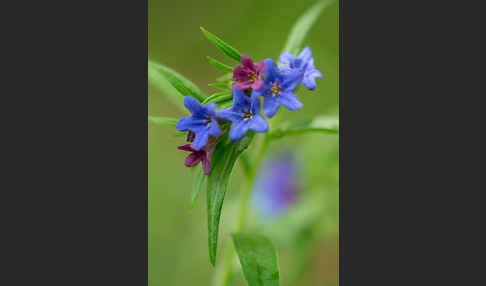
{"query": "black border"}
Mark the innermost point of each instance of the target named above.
(77, 166)
(80, 79)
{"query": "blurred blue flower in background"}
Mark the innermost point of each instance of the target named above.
(276, 186)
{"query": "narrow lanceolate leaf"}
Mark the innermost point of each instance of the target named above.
(184, 86)
(197, 186)
(219, 97)
(227, 49)
(225, 104)
(303, 25)
(222, 162)
(159, 81)
(320, 124)
(163, 120)
(222, 86)
(219, 65)
(258, 259)
(225, 78)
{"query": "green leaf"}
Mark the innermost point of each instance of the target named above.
(184, 86)
(219, 65)
(226, 104)
(197, 186)
(163, 120)
(227, 49)
(222, 86)
(225, 78)
(158, 80)
(303, 25)
(222, 163)
(320, 124)
(219, 97)
(258, 259)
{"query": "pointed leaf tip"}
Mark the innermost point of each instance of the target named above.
(227, 49)
(219, 65)
(183, 85)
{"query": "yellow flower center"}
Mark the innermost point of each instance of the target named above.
(275, 89)
(252, 75)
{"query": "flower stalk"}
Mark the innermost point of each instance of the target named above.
(230, 254)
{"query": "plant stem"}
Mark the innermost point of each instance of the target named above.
(243, 210)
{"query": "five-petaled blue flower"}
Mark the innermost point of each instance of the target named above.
(278, 88)
(244, 115)
(304, 63)
(202, 122)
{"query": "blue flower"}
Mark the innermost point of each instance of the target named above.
(276, 186)
(278, 89)
(202, 122)
(244, 115)
(304, 63)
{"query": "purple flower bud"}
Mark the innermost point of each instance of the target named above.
(203, 155)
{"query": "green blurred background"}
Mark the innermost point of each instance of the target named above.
(307, 237)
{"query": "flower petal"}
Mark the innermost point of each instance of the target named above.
(270, 105)
(290, 101)
(247, 62)
(271, 70)
(228, 114)
(201, 139)
(240, 100)
(243, 85)
(193, 105)
(306, 54)
(286, 69)
(206, 163)
(258, 123)
(239, 129)
(214, 129)
(255, 104)
(192, 160)
(209, 108)
(314, 73)
(309, 83)
(286, 57)
(190, 123)
(260, 67)
(186, 147)
(264, 89)
(257, 84)
(240, 74)
(292, 79)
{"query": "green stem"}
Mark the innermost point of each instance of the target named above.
(243, 210)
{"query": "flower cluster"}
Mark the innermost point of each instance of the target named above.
(276, 85)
